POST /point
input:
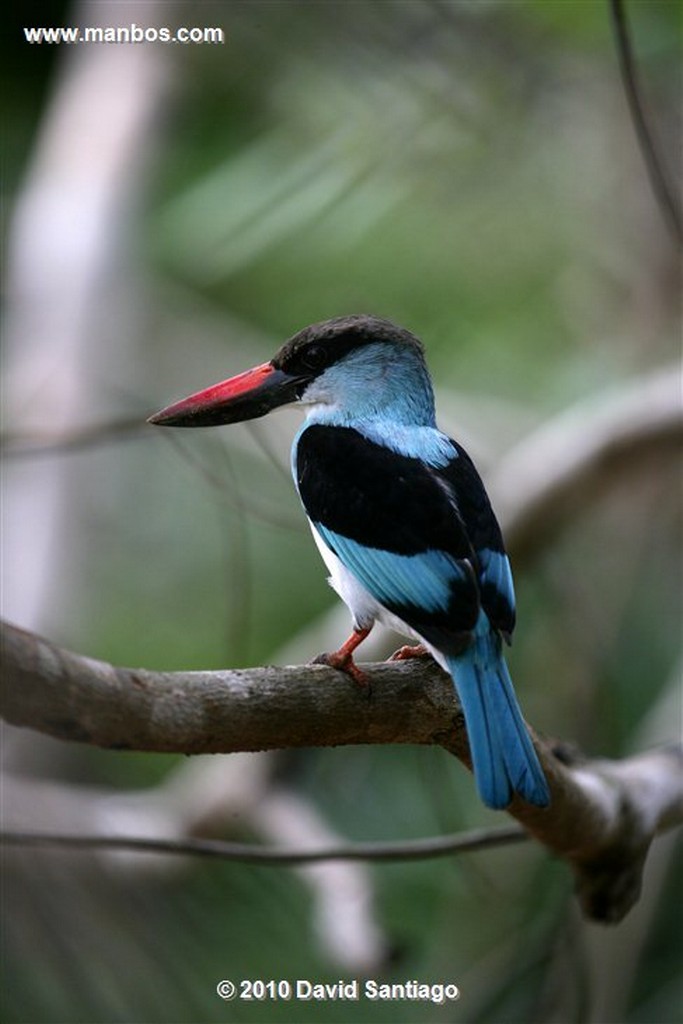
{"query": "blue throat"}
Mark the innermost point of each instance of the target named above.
(386, 394)
(378, 380)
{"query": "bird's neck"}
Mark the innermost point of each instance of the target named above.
(398, 429)
(370, 412)
(378, 382)
(375, 397)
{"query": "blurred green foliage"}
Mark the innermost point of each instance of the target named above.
(469, 170)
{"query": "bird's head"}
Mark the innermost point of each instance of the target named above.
(356, 365)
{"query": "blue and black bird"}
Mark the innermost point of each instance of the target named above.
(400, 516)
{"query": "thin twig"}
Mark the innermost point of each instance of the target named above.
(413, 849)
(664, 193)
(261, 439)
(222, 493)
(22, 446)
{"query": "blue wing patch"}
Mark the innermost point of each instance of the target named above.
(496, 572)
(497, 588)
(426, 581)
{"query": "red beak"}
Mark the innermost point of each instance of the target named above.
(244, 397)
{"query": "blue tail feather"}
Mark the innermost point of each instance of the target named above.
(503, 756)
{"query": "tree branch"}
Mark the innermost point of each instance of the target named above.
(603, 817)
(250, 853)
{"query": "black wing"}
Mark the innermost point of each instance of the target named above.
(363, 495)
(481, 526)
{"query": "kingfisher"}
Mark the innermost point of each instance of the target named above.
(401, 518)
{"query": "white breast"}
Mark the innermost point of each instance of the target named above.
(362, 605)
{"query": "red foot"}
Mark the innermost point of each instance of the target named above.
(343, 658)
(404, 653)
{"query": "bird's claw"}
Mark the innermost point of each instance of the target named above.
(410, 651)
(344, 663)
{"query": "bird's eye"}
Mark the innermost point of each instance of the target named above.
(314, 357)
